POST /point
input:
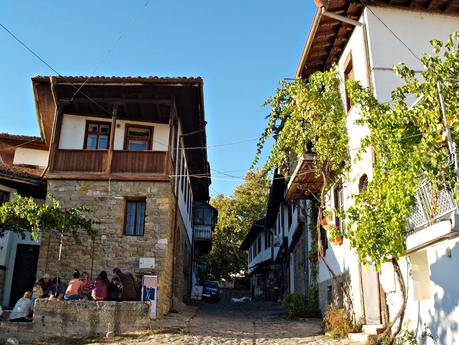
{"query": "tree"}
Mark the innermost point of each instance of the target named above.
(24, 215)
(410, 147)
(235, 216)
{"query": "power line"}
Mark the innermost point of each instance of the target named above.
(111, 49)
(392, 32)
(29, 49)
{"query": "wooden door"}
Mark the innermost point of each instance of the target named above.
(371, 298)
(25, 271)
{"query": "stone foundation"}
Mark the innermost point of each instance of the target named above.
(112, 248)
(80, 319)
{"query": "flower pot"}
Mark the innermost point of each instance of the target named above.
(325, 221)
(338, 240)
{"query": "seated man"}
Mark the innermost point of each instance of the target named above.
(23, 308)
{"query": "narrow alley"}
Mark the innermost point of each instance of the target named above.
(225, 322)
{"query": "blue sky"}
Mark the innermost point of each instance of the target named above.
(241, 48)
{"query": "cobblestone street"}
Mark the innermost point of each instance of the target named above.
(228, 323)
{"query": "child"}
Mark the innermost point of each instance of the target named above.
(37, 291)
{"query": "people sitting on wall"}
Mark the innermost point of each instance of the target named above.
(123, 286)
(46, 285)
(74, 287)
(37, 291)
(23, 309)
(58, 288)
(100, 287)
(87, 286)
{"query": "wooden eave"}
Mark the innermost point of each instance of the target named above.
(328, 37)
(303, 181)
(138, 99)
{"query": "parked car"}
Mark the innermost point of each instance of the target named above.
(211, 291)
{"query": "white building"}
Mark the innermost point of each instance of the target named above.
(22, 162)
(366, 51)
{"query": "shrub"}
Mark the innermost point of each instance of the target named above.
(337, 322)
(302, 305)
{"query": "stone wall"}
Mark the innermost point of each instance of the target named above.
(57, 318)
(182, 264)
(112, 248)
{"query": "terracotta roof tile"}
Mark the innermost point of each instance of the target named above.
(22, 172)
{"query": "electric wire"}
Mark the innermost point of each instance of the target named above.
(112, 48)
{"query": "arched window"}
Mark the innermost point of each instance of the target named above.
(363, 183)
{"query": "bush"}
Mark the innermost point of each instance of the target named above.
(302, 305)
(337, 322)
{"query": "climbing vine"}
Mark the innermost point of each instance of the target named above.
(309, 116)
(410, 147)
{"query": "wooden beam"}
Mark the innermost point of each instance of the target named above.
(112, 177)
(108, 168)
(116, 100)
(57, 124)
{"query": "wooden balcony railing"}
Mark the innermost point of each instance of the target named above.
(80, 160)
(93, 161)
(202, 232)
(139, 162)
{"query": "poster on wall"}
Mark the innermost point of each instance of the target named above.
(149, 292)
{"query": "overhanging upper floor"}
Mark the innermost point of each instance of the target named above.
(124, 128)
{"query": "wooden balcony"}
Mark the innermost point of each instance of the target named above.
(80, 161)
(303, 180)
(97, 163)
(202, 233)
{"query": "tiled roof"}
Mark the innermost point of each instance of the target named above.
(128, 79)
(18, 137)
(23, 173)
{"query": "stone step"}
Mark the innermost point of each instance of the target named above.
(361, 338)
(372, 329)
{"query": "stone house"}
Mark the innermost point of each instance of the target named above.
(133, 149)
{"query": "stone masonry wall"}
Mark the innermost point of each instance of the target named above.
(182, 264)
(112, 248)
(56, 318)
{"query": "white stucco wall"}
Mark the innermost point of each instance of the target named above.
(31, 157)
(415, 29)
(73, 130)
(437, 312)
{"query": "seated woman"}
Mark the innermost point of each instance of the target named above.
(100, 287)
(87, 286)
(74, 287)
(22, 309)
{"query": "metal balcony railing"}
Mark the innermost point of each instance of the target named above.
(431, 207)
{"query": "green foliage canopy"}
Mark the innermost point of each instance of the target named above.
(24, 214)
(409, 146)
(235, 216)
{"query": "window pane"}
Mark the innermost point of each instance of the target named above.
(130, 218)
(91, 142)
(104, 129)
(137, 145)
(139, 132)
(140, 219)
(93, 128)
(103, 142)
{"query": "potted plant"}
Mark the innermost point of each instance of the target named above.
(326, 218)
(335, 235)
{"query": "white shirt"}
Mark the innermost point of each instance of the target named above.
(23, 308)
